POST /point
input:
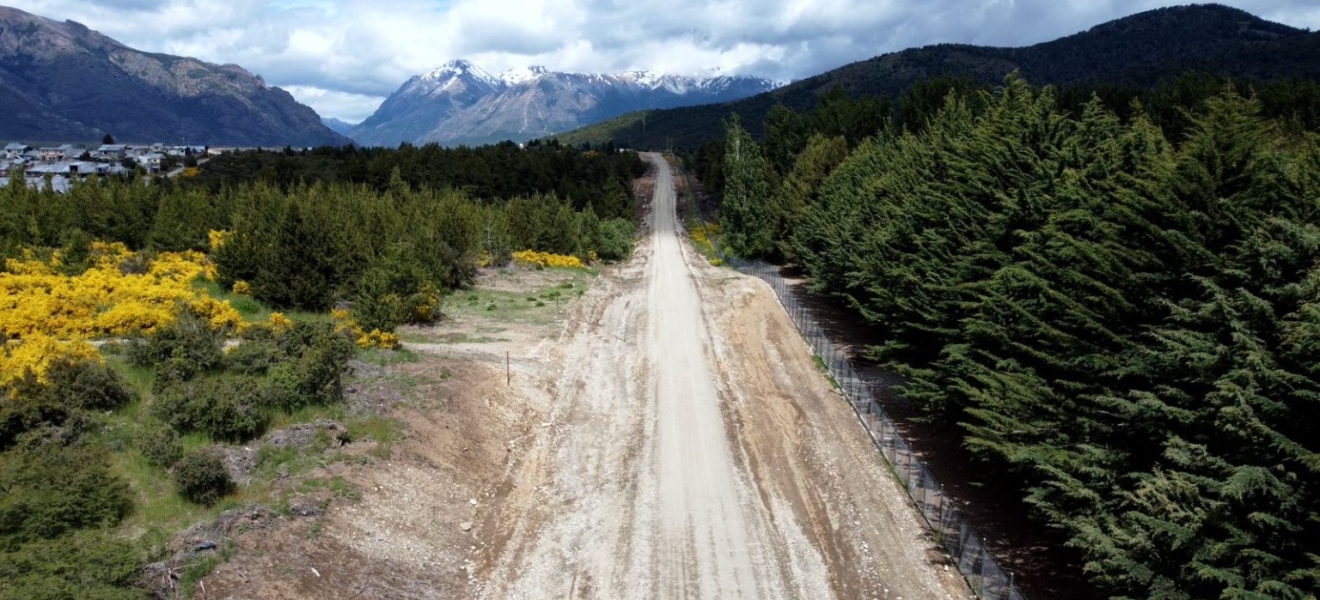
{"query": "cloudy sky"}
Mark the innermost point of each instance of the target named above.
(343, 57)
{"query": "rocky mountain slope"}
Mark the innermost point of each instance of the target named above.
(338, 126)
(459, 103)
(63, 81)
(1138, 50)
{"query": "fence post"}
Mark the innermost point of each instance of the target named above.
(923, 499)
(941, 507)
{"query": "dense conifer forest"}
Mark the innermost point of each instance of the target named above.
(1113, 299)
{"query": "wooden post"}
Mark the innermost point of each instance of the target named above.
(508, 375)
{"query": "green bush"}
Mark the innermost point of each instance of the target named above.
(83, 565)
(253, 357)
(73, 388)
(226, 407)
(312, 375)
(159, 444)
(377, 305)
(200, 476)
(616, 239)
(51, 490)
(181, 351)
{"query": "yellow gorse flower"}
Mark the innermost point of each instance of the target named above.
(37, 352)
(218, 238)
(532, 258)
(49, 315)
(344, 322)
(280, 323)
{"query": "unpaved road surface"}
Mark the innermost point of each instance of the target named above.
(657, 475)
(665, 435)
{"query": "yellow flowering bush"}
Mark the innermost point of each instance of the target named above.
(280, 323)
(242, 287)
(532, 258)
(104, 300)
(378, 339)
(37, 352)
(375, 338)
(702, 233)
(217, 238)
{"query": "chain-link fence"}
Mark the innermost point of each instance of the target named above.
(967, 549)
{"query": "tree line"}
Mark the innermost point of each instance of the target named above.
(1121, 322)
(390, 251)
(601, 178)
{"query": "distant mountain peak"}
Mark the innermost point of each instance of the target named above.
(520, 75)
(60, 80)
(458, 103)
(458, 68)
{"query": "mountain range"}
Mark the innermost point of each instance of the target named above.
(1138, 50)
(460, 104)
(60, 81)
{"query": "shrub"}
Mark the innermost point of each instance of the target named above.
(87, 384)
(314, 376)
(51, 489)
(226, 407)
(384, 312)
(253, 357)
(83, 565)
(57, 406)
(200, 476)
(616, 239)
(320, 368)
(159, 444)
(424, 305)
(188, 339)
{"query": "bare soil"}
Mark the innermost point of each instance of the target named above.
(665, 434)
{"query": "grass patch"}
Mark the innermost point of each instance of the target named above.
(194, 571)
(253, 310)
(381, 429)
(158, 510)
(306, 414)
(139, 378)
(820, 364)
(415, 337)
(337, 485)
(385, 358)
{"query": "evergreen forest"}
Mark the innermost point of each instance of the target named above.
(1114, 301)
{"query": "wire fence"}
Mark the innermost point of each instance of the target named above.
(965, 547)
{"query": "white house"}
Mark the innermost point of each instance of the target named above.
(15, 150)
(110, 152)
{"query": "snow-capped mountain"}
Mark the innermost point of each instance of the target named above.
(459, 103)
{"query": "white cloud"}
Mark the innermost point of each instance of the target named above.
(343, 57)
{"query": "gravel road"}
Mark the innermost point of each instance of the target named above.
(656, 476)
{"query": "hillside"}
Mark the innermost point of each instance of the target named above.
(63, 81)
(460, 104)
(1141, 49)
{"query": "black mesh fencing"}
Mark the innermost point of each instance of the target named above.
(966, 549)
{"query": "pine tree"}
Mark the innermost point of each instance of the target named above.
(743, 218)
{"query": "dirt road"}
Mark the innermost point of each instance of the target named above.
(667, 435)
(687, 456)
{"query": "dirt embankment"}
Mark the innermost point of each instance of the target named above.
(665, 434)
